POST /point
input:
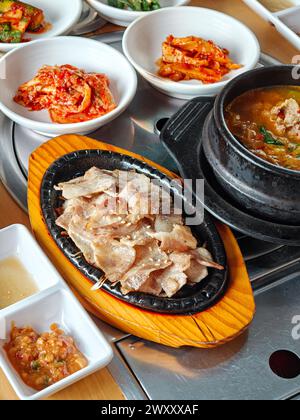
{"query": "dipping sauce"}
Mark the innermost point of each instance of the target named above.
(43, 359)
(267, 122)
(16, 283)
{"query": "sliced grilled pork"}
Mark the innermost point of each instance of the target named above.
(94, 181)
(115, 219)
(180, 239)
(149, 258)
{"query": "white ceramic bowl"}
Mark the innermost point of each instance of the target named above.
(52, 304)
(22, 64)
(126, 17)
(142, 45)
(62, 15)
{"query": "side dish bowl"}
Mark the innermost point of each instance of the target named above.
(142, 45)
(190, 299)
(125, 17)
(61, 16)
(21, 65)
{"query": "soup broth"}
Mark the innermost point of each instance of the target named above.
(16, 283)
(267, 122)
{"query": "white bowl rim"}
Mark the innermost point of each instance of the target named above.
(78, 6)
(185, 88)
(52, 127)
(134, 14)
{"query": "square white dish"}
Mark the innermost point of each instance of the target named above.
(53, 304)
(286, 21)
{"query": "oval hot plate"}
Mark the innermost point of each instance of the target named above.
(189, 300)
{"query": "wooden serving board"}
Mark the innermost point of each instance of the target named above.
(216, 326)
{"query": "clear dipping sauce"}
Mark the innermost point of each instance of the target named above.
(16, 283)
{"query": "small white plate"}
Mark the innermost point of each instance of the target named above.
(142, 45)
(54, 303)
(123, 17)
(21, 65)
(287, 22)
(61, 14)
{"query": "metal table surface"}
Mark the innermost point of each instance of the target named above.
(145, 370)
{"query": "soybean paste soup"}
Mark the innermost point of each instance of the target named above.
(267, 122)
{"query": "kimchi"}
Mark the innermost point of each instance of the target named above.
(71, 95)
(193, 58)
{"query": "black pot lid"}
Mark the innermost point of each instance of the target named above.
(189, 300)
(182, 137)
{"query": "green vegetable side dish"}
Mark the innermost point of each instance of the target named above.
(16, 18)
(9, 35)
(135, 5)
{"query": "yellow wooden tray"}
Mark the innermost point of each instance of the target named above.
(216, 326)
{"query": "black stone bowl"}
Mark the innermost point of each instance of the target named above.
(264, 189)
(189, 300)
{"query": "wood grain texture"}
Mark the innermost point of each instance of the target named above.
(10, 212)
(99, 386)
(270, 40)
(214, 327)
